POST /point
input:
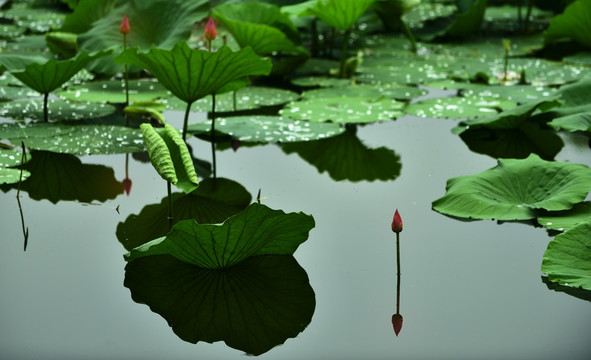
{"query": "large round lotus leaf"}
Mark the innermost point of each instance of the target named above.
(344, 110)
(260, 128)
(11, 30)
(12, 176)
(8, 92)
(418, 15)
(113, 91)
(516, 93)
(58, 110)
(572, 24)
(10, 158)
(75, 139)
(572, 123)
(568, 219)
(321, 81)
(459, 107)
(515, 189)
(567, 260)
(407, 72)
(578, 59)
(248, 98)
(40, 19)
(391, 91)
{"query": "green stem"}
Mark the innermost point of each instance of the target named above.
(213, 137)
(413, 41)
(126, 73)
(45, 111)
(169, 190)
(186, 122)
(344, 53)
(506, 65)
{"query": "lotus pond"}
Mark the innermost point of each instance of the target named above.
(185, 187)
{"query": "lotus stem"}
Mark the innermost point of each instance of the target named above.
(186, 122)
(213, 137)
(126, 73)
(170, 217)
(413, 41)
(344, 53)
(18, 200)
(45, 111)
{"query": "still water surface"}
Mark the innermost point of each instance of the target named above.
(469, 290)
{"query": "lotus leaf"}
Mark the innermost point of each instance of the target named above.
(261, 26)
(572, 123)
(260, 128)
(516, 189)
(258, 230)
(572, 24)
(56, 177)
(517, 93)
(409, 72)
(252, 306)
(85, 14)
(248, 98)
(11, 30)
(340, 14)
(459, 107)
(345, 157)
(113, 91)
(314, 81)
(567, 219)
(391, 91)
(74, 139)
(37, 19)
(566, 260)
(344, 110)
(170, 156)
(579, 293)
(209, 204)
(9, 158)
(59, 109)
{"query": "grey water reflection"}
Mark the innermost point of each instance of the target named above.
(252, 306)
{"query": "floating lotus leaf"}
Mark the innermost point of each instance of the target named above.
(459, 107)
(567, 219)
(37, 19)
(208, 204)
(58, 109)
(31, 44)
(340, 14)
(75, 139)
(572, 123)
(154, 24)
(56, 177)
(516, 143)
(9, 92)
(345, 157)
(113, 91)
(8, 159)
(193, 74)
(170, 156)
(260, 128)
(572, 24)
(17, 61)
(515, 189)
(252, 306)
(261, 26)
(258, 230)
(583, 59)
(468, 21)
(248, 98)
(50, 75)
(86, 13)
(314, 81)
(344, 110)
(567, 258)
(579, 293)
(423, 12)
(509, 119)
(517, 93)
(409, 72)
(391, 91)
(11, 30)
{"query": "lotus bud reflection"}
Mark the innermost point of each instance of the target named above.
(127, 185)
(124, 26)
(397, 323)
(397, 222)
(210, 31)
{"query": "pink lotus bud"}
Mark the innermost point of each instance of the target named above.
(397, 323)
(127, 185)
(397, 222)
(124, 26)
(210, 31)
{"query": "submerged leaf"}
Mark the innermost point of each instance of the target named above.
(567, 260)
(258, 230)
(515, 189)
(170, 156)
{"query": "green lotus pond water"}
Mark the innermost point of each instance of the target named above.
(241, 202)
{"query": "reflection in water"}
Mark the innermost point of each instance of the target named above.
(18, 200)
(127, 181)
(397, 228)
(252, 306)
(572, 291)
(345, 157)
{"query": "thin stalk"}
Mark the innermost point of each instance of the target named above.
(213, 137)
(45, 111)
(186, 122)
(126, 73)
(398, 293)
(398, 253)
(530, 5)
(413, 41)
(18, 192)
(170, 217)
(344, 53)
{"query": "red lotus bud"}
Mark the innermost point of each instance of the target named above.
(397, 323)
(124, 25)
(127, 185)
(210, 31)
(397, 222)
